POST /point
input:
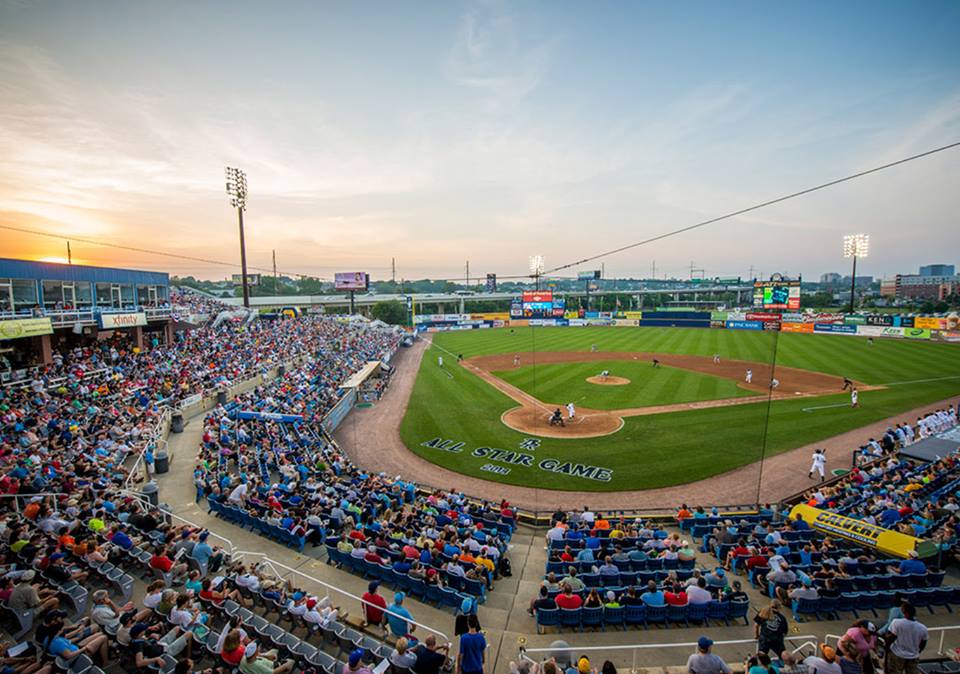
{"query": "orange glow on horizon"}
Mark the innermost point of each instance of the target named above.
(56, 259)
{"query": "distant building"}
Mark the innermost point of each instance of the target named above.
(888, 287)
(829, 279)
(915, 286)
(937, 270)
(861, 281)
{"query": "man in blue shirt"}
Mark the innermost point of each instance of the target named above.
(473, 648)
(653, 596)
(912, 564)
(398, 626)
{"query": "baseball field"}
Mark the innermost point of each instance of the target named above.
(486, 412)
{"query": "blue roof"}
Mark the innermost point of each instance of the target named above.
(51, 271)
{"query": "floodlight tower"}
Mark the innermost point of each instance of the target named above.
(855, 245)
(536, 268)
(237, 190)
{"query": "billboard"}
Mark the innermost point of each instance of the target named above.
(538, 304)
(588, 275)
(25, 327)
(252, 279)
(351, 280)
(491, 285)
(796, 327)
(776, 294)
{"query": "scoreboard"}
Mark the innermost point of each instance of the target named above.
(776, 294)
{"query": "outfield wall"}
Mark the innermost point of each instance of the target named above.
(871, 325)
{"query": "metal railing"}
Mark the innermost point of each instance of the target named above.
(230, 547)
(274, 564)
(16, 498)
(942, 630)
(155, 436)
(807, 640)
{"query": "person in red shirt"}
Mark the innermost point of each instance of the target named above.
(739, 550)
(566, 556)
(676, 596)
(374, 614)
(568, 599)
(162, 561)
(372, 556)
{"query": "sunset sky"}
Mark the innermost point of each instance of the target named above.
(442, 132)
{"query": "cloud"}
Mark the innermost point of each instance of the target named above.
(493, 56)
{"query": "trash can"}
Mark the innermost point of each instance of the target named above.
(161, 462)
(222, 396)
(176, 422)
(151, 492)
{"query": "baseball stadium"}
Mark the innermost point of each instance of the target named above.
(283, 427)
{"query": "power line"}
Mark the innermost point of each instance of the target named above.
(755, 207)
(148, 251)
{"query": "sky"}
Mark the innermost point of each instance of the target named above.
(445, 132)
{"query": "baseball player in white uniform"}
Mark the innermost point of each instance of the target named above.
(819, 464)
(749, 377)
(516, 360)
(854, 398)
(774, 383)
(440, 361)
(571, 411)
(716, 359)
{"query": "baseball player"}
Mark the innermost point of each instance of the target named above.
(656, 363)
(716, 359)
(604, 374)
(846, 384)
(593, 348)
(571, 411)
(440, 361)
(516, 360)
(819, 464)
(774, 383)
(854, 398)
(749, 377)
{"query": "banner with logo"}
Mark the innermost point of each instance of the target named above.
(744, 325)
(879, 331)
(950, 336)
(854, 320)
(823, 318)
(117, 321)
(763, 317)
(903, 321)
(796, 327)
(916, 333)
(835, 328)
(736, 316)
(868, 535)
(25, 327)
(880, 319)
(633, 315)
(930, 323)
(625, 323)
(720, 316)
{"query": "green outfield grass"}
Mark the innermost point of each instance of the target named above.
(675, 448)
(560, 383)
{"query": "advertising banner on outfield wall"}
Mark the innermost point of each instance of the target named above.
(950, 336)
(854, 320)
(492, 316)
(835, 328)
(879, 331)
(625, 323)
(796, 327)
(763, 317)
(792, 318)
(519, 322)
(633, 315)
(576, 322)
(736, 316)
(930, 323)
(916, 333)
(868, 535)
(880, 319)
(903, 321)
(744, 325)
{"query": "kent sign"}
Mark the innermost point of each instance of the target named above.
(503, 459)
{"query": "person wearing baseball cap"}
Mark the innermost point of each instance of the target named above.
(824, 662)
(25, 596)
(256, 662)
(705, 662)
(373, 605)
(399, 617)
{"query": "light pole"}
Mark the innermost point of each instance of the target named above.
(536, 268)
(855, 245)
(237, 189)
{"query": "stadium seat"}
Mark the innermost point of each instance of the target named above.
(547, 617)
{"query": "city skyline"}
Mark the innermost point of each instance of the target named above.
(485, 132)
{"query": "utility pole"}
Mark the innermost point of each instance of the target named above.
(653, 269)
(468, 273)
(275, 284)
(393, 270)
(751, 273)
(69, 254)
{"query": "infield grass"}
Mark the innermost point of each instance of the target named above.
(679, 447)
(560, 383)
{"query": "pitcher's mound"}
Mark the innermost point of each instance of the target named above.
(609, 380)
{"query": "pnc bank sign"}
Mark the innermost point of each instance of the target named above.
(116, 321)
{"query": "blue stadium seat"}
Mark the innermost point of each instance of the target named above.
(613, 616)
(591, 617)
(547, 617)
(570, 617)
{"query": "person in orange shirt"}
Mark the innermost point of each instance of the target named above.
(684, 513)
(601, 524)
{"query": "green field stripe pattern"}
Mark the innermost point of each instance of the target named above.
(673, 448)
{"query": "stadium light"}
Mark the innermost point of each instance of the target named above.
(536, 268)
(237, 190)
(855, 245)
